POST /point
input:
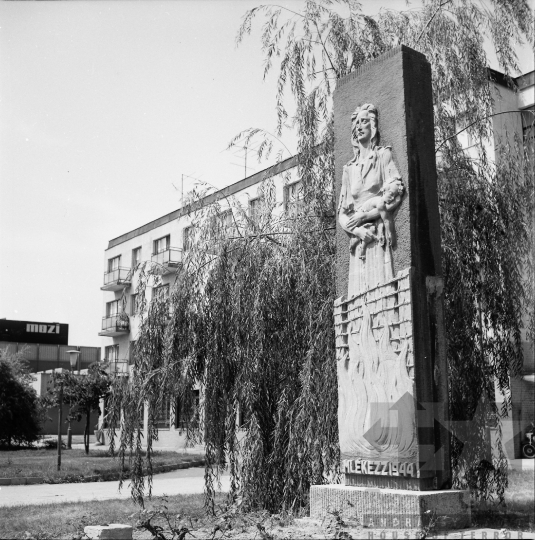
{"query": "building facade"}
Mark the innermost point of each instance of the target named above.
(164, 242)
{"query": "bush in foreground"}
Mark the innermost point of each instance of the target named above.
(20, 410)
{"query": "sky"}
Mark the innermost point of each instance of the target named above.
(103, 107)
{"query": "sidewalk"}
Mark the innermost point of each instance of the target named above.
(181, 482)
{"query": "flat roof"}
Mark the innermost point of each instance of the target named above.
(209, 199)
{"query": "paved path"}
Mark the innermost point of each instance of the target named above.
(184, 481)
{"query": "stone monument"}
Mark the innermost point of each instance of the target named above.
(390, 342)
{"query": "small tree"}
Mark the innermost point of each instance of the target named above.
(91, 389)
(20, 410)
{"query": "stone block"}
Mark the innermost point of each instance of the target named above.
(5, 481)
(392, 508)
(113, 531)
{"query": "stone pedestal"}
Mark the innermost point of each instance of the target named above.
(392, 508)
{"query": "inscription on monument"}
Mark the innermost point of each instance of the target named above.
(384, 468)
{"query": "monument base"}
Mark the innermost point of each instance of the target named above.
(392, 508)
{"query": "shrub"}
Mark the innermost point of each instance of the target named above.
(20, 411)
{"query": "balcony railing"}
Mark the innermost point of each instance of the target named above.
(117, 279)
(115, 325)
(117, 366)
(168, 259)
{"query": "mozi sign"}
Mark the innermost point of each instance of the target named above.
(43, 328)
(34, 332)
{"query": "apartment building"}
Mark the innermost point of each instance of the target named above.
(165, 240)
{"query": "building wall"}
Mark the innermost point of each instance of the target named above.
(41, 384)
(42, 357)
(144, 237)
(174, 225)
(507, 127)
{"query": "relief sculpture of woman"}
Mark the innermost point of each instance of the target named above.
(371, 190)
(373, 376)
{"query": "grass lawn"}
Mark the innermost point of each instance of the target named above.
(74, 463)
(519, 513)
(53, 521)
(68, 520)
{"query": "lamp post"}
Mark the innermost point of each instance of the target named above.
(73, 360)
(60, 413)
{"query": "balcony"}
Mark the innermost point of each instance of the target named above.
(116, 325)
(168, 260)
(117, 280)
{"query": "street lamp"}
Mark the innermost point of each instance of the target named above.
(73, 359)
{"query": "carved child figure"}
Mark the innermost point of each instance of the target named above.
(380, 206)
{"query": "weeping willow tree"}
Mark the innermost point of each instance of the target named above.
(249, 318)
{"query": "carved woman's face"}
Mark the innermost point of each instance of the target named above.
(362, 129)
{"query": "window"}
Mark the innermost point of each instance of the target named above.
(141, 416)
(226, 220)
(293, 198)
(131, 353)
(465, 137)
(229, 225)
(112, 353)
(222, 225)
(255, 209)
(163, 415)
(112, 308)
(243, 417)
(136, 257)
(187, 241)
(162, 244)
(113, 264)
(186, 412)
(135, 301)
(528, 132)
(161, 292)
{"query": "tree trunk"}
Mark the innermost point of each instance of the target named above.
(86, 431)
